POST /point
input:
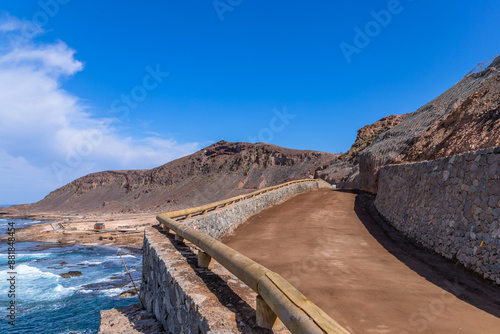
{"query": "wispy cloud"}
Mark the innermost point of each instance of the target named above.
(42, 125)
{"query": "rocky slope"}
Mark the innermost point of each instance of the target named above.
(368, 134)
(465, 117)
(346, 169)
(219, 171)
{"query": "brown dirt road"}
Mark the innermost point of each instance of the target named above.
(368, 279)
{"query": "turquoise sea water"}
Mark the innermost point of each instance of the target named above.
(48, 303)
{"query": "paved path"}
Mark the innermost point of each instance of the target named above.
(369, 280)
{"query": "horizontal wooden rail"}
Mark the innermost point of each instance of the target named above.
(212, 206)
(276, 297)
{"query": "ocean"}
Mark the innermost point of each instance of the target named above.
(48, 303)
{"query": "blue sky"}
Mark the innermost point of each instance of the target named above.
(101, 85)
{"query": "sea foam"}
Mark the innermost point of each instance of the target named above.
(34, 285)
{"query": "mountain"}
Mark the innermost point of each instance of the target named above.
(217, 172)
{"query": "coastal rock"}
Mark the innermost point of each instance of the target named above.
(71, 274)
(128, 293)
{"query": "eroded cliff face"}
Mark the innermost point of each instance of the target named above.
(464, 118)
(219, 171)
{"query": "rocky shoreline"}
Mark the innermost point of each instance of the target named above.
(124, 231)
(121, 230)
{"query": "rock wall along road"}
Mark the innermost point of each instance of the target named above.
(450, 205)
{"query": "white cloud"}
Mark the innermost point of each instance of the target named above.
(51, 60)
(10, 24)
(48, 137)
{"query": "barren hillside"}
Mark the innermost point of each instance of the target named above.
(219, 171)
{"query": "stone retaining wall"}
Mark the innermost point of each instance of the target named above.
(450, 205)
(224, 221)
(174, 293)
(186, 299)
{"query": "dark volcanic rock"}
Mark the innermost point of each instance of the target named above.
(128, 293)
(71, 274)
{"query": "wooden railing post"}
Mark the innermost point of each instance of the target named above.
(205, 260)
(266, 318)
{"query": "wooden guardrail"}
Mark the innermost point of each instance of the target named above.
(213, 206)
(276, 297)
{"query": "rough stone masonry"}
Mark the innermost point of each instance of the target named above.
(450, 205)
